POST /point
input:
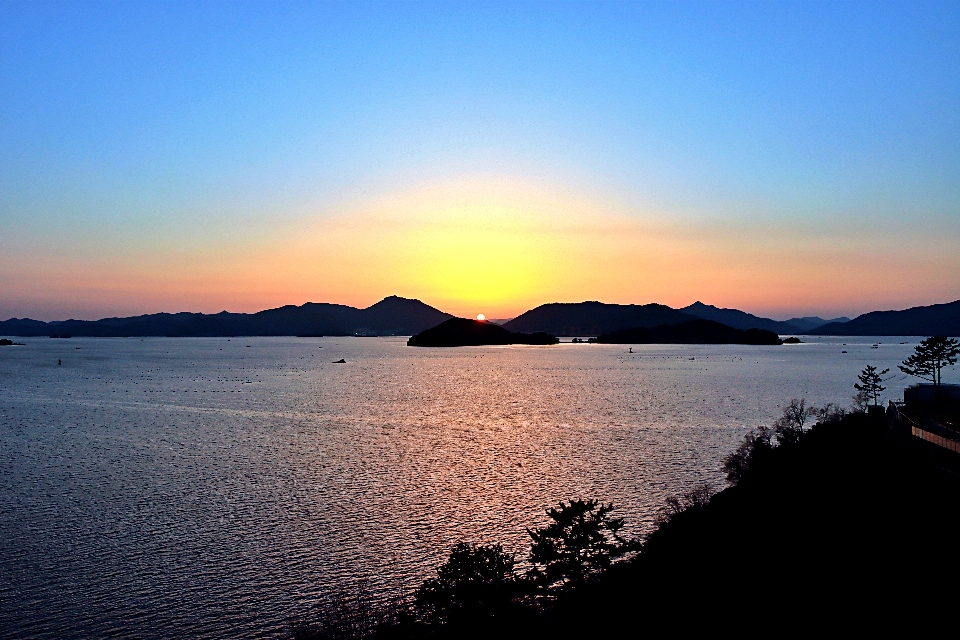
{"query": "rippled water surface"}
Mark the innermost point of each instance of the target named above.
(214, 488)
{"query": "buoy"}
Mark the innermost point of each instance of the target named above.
(58, 362)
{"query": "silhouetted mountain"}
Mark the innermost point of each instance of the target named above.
(390, 316)
(738, 319)
(691, 332)
(934, 320)
(809, 323)
(593, 318)
(462, 332)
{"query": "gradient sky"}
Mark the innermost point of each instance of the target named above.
(782, 158)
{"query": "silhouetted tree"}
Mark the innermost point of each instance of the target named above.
(871, 382)
(789, 427)
(861, 400)
(828, 413)
(692, 500)
(756, 445)
(581, 542)
(476, 582)
(930, 357)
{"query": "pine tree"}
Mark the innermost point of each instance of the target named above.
(581, 542)
(871, 382)
(930, 357)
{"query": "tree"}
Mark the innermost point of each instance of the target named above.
(582, 542)
(930, 357)
(476, 582)
(861, 401)
(789, 427)
(756, 446)
(871, 382)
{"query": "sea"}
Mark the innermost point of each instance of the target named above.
(220, 488)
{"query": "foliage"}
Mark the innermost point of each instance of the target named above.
(581, 542)
(477, 581)
(930, 357)
(871, 382)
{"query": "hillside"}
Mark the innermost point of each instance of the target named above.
(841, 519)
(593, 318)
(933, 320)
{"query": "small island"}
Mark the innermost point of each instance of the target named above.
(462, 332)
(9, 343)
(792, 340)
(691, 332)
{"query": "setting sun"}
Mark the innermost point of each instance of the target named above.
(481, 317)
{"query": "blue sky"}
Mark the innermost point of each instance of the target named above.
(138, 139)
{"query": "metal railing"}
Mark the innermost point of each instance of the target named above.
(925, 434)
(934, 438)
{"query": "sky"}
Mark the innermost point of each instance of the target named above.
(786, 159)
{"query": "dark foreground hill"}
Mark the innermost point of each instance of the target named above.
(738, 319)
(390, 316)
(847, 527)
(462, 332)
(933, 320)
(691, 332)
(593, 318)
(850, 525)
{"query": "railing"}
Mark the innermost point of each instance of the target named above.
(925, 434)
(940, 441)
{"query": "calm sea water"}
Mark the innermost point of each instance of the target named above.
(215, 488)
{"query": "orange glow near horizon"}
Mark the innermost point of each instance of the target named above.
(537, 246)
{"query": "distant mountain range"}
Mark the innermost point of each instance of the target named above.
(809, 323)
(934, 320)
(596, 318)
(405, 317)
(742, 320)
(738, 319)
(392, 316)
